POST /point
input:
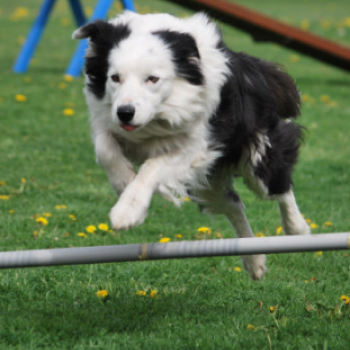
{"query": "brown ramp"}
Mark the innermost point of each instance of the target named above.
(264, 28)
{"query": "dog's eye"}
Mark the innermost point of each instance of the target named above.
(115, 78)
(152, 79)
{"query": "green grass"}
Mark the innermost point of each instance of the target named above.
(201, 303)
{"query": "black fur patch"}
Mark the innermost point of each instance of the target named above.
(103, 38)
(256, 99)
(185, 55)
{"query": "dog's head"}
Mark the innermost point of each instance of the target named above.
(145, 76)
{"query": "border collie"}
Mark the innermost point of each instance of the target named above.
(167, 94)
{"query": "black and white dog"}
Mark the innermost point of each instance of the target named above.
(167, 94)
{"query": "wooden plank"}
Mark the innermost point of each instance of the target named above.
(264, 28)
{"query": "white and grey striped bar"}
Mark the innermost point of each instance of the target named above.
(174, 250)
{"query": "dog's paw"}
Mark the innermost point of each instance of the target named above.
(127, 215)
(255, 265)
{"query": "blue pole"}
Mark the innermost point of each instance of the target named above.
(129, 5)
(78, 12)
(33, 38)
(76, 65)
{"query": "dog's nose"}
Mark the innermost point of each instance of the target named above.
(126, 113)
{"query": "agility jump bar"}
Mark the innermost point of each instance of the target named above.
(174, 250)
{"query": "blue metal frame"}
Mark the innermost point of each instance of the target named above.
(76, 65)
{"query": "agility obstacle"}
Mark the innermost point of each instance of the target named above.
(264, 28)
(174, 250)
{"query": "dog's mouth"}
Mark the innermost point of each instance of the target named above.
(128, 127)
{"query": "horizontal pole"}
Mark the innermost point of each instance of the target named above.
(174, 250)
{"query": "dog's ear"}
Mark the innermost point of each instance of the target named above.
(185, 55)
(103, 36)
(102, 32)
(91, 30)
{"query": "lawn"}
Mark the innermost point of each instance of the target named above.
(51, 190)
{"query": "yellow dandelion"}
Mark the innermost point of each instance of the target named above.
(68, 78)
(333, 104)
(35, 234)
(21, 98)
(305, 24)
(250, 327)
(68, 112)
(325, 98)
(218, 235)
(47, 215)
(82, 234)
(19, 13)
(178, 236)
(62, 86)
(237, 269)
(91, 229)
(345, 299)
(308, 221)
(23, 180)
(327, 224)
(61, 206)
(141, 293)
(273, 308)
(11, 211)
(305, 98)
(88, 10)
(325, 24)
(279, 230)
(259, 234)
(164, 240)
(313, 225)
(294, 58)
(2, 183)
(153, 293)
(42, 221)
(72, 217)
(65, 21)
(306, 281)
(4, 197)
(186, 199)
(204, 230)
(103, 227)
(318, 254)
(102, 294)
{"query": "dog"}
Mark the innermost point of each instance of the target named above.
(168, 95)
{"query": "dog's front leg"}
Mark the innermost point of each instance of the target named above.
(109, 155)
(131, 208)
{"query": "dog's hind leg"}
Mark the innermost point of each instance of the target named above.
(254, 264)
(226, 202)
(292, 221)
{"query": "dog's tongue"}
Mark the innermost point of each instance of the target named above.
(128, 127)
